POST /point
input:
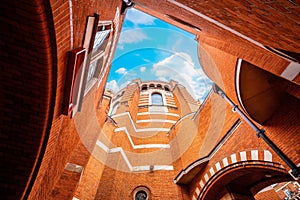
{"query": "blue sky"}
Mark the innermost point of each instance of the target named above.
(151, 49)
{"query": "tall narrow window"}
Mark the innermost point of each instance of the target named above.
(156, 99)
(97, 59)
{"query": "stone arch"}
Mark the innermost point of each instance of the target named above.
(254, 168)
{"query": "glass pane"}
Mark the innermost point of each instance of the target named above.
(92, 70)
(141, 195)
(99, 38)
(156, 99)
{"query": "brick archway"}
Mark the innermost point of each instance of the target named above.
(251, 170)
(28, 92)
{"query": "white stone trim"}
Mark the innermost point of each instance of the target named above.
(267, 156)
(141, 146)
(206, 177)
(143, 104)
(149, 113)
(211, 171)
(74, 168)
(134, 127)
(120, 149)
(129, 165)
(225, 162)
(156, 120)
(291, 71)
(218, 166)
(233, 158)
(201, 184)
(144, 129)
(243, 155)
(102, 146)
(71, 25)
(254, 154)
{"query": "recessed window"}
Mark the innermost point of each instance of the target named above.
(141, 193)
(159, 86)
(167, 88)
(151, 86)
(156, 99)
(144, 87)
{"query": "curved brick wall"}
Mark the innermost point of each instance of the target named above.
(28, 86)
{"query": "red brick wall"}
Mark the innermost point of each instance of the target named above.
(267, 195)
(64, 143)
(256, 19)
(120, 185)
(133, 109)
(28, 82)
(253, 19)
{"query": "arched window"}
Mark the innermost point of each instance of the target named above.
(144, 87)
(167, 88)
(159, 86)
(151, 86)
(156, 99)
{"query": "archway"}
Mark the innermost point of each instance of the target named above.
(242, 180)
(28, 88)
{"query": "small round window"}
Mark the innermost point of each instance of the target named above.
(141, 195)
(157, 99)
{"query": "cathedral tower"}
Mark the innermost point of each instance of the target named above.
(143, 152)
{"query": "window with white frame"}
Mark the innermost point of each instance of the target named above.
(98, 59)
(156, 99)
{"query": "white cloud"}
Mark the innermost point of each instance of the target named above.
(180, 67)
(132, 36)
(113, 85)
(121, 70)
(142, 69)
(146, 60)
(137, 17)
(162, 79)
(121, 47)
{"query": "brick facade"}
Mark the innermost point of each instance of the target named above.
(214, 153)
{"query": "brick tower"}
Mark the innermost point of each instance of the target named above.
(142, 153)
(61, 140)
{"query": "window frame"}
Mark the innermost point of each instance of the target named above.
(141, 189)
(97, 54)
(161, 96)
